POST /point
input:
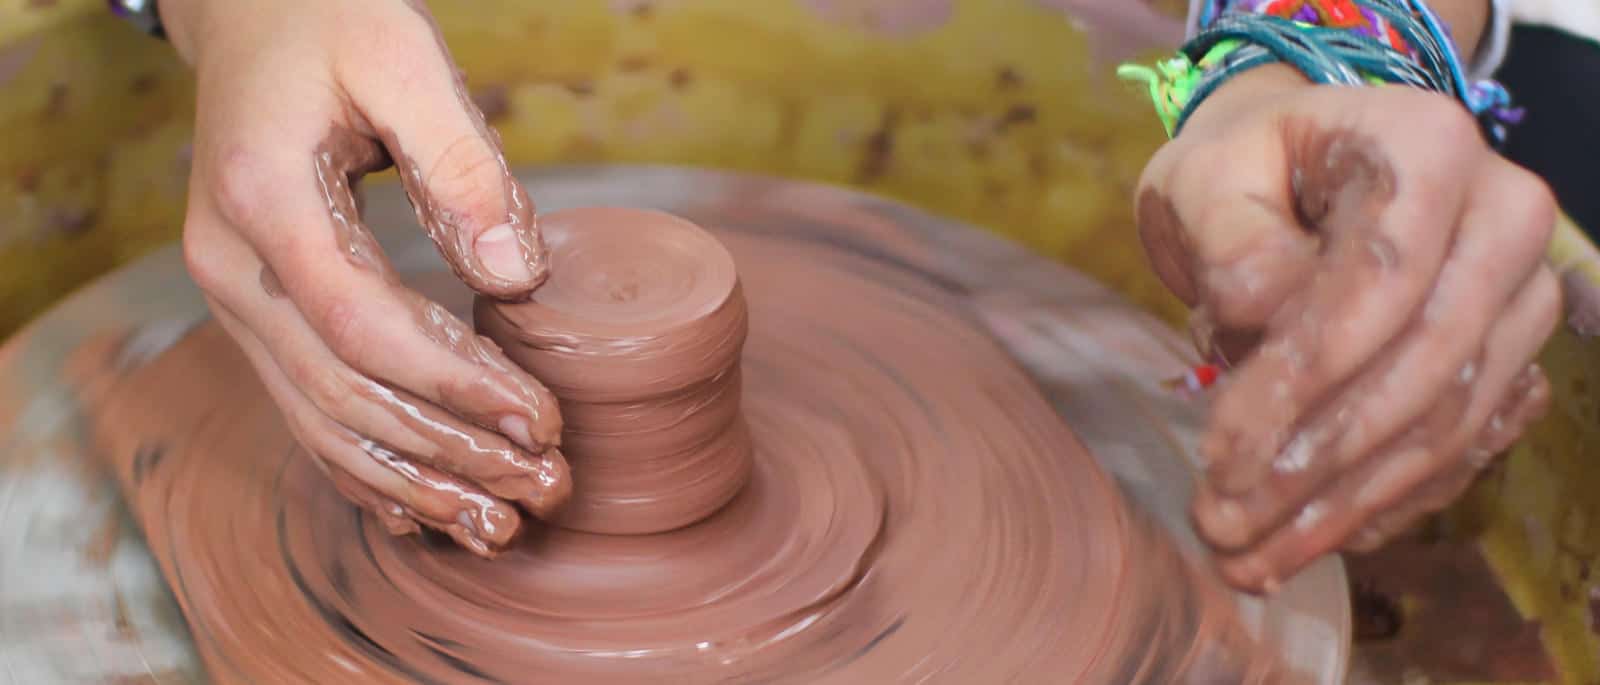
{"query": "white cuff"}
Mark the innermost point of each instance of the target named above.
(1581, 19)
(1492, 46)
(1491, 49)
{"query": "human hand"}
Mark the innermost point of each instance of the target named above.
(412, 414)
(1376, 273)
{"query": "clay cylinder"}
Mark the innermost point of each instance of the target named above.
(638, 333)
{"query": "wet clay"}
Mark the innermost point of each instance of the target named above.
(467, 481)
(340, 160)
(915, 512)
(448, 226)
(638, 333)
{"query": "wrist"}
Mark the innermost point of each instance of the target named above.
(1243, 93)
(180, 19)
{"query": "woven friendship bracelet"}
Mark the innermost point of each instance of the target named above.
(1338, 42)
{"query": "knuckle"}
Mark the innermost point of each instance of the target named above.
(1531, 205)
(458, 177)
(332, 390)
(1549, 299)
(242, 186)
(199, 257)
(1445, 120)
(343, 328)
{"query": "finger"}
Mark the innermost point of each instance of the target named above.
(1218, 345)
(1234, 261)
(1433, 497)
(389, 512)
(1284, 499)
(1528, 398)
(1224, 246)
(330, 267)
(1435, 361)
(449, 159)
(1379, 483)
(1386, 220)
(473, 518)
(1524, 402)
(399, 419)
(1501, 243)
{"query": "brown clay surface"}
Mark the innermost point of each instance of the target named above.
(916, 511)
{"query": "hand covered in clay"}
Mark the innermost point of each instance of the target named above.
(410, 413)
(1374, 273)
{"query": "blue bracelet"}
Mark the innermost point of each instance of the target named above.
(1338, 56)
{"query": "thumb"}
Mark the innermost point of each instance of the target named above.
(452, 166)
(1229, 249)
(477, 213)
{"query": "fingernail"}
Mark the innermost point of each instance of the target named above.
(500, 252)
(517, 429)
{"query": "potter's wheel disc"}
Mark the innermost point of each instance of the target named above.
(81, 600)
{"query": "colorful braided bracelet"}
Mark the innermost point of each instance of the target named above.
(1340, 42)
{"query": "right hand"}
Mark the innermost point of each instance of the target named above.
(411, 413)
(1377, 272)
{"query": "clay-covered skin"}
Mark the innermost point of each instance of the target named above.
(916, 512)
(398, 400)
(1380, 293)
(638, 333)
(453, 473)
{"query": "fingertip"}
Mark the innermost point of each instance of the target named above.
(518, 430)
(483, 527)
(1237, 468)
(394, 518)
(554, 477)
(498, 523)
(1221, 522)
(511, 263)
(1249, 573)
(472, 543)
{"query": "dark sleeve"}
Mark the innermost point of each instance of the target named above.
(1556, 76)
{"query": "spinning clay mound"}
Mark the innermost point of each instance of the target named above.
(814, 469)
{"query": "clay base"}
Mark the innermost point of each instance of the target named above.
(639, 334)
(919, 512)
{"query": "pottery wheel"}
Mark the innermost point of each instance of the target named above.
(879, 577)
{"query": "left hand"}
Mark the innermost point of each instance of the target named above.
(1375, 271)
